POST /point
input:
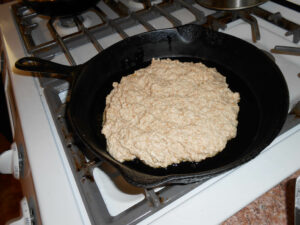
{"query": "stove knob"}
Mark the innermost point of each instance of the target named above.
(10, 161)
(26, 216)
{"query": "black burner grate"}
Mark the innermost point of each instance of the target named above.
(127, 19)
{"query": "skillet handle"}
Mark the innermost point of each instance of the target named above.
(35, 64)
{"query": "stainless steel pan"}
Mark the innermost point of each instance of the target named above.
(230, 4)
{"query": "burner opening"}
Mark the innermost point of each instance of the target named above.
(69, 22)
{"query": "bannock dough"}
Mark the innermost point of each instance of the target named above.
(170, 112)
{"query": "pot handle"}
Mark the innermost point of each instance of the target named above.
(35, 64)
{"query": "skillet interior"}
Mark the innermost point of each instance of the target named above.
(263, 105)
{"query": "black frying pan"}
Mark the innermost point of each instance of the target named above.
(62, 8)
(263, 91)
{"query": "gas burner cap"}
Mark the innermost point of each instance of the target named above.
(67, 25)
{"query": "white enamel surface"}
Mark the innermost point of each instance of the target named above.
(58, 196)
(117, 194)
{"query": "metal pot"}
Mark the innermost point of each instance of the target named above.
(230, 4)
(61, 8)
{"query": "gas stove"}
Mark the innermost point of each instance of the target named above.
(63, 186)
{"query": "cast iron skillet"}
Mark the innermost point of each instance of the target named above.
(263, 91)
(62, 8)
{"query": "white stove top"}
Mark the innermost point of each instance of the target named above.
(213, 201)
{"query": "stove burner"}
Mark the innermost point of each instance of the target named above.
(69, 22)
(219, 20)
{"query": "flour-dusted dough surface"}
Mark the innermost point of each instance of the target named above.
(170, 112)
